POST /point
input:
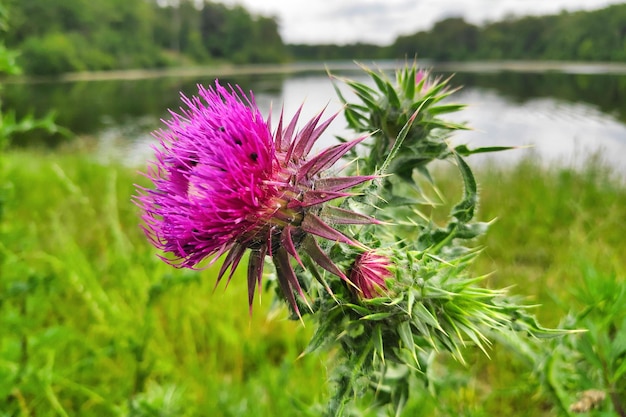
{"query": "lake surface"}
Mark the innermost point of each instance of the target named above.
(563, 114)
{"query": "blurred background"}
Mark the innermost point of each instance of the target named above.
(93, 323)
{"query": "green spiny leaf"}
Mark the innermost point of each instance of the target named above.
(465, 151)
(377, 338)
(445, 108)
(323, 334)
(464, 210)
(377, 316)
(406, 335)
(358, 309)
(422, 314)
(392, 96)
(380, 83)
(409, 83)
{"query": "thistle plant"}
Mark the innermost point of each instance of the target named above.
(357, 250)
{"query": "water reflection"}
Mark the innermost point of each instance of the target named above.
(553, 129)
(607, 92)
(563, 116)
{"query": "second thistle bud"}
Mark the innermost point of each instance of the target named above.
(369, 273)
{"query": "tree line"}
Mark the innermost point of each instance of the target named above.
(598, 35)
(85, 35)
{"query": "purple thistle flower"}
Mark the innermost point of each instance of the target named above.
(368, 274)
(224, 184)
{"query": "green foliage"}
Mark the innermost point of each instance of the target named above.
(385, 111)
(79, 35)
(55, 53)
(8, 63)
(594, 361)
(432, 308)
(585, 35)
(88, 330)
(561, 246)
(10, 125)
(329, 52)
(582, 36)
(408, 134)
(139, 339)
(77, 275)
(232, 33)
(431, 305)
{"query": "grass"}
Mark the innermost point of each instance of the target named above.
(551, 224)
(554, 228)
(92, 323)
(92, 319)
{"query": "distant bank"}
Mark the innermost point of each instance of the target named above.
(567, 67)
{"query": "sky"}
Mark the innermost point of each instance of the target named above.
(381, 21)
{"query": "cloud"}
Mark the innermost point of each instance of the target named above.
(368, 8)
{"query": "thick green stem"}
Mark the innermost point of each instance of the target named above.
(346, 382)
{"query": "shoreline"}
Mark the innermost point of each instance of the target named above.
(567, 67)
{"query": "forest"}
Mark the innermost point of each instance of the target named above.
(83, 35)
(582, 36)
(598, 35)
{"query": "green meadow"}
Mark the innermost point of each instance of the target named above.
(93, 323)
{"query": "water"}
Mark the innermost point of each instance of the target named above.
(560, 116)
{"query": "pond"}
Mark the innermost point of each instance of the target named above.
(562, 116)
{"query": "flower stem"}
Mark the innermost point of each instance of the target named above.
(346, 382)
